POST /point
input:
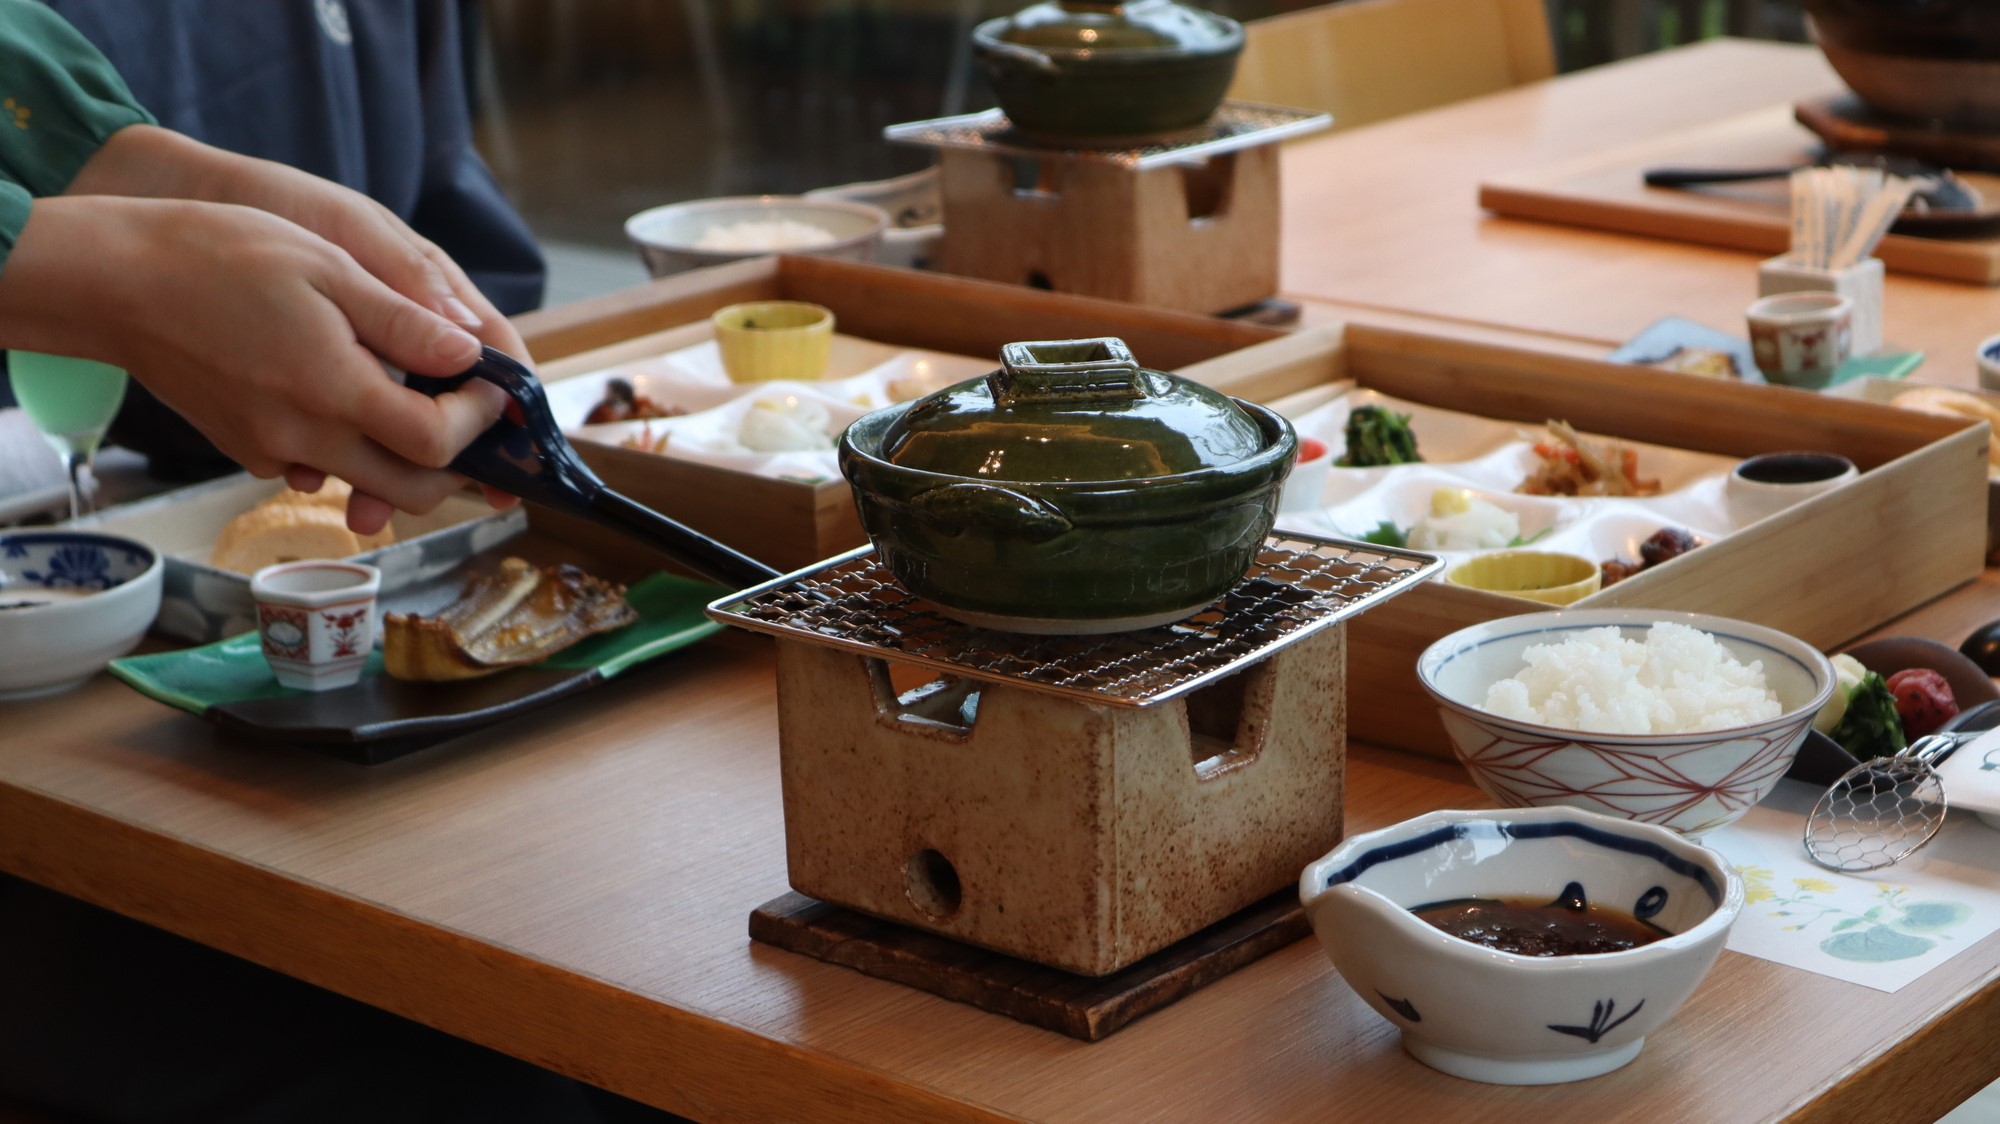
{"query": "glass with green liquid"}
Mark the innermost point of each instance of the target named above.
(72, 401)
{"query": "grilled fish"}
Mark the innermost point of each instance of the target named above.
(517, 616)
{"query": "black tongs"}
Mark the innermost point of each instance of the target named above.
(525, 454)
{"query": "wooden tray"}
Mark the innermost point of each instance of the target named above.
(1910, 528)
(1826, 571)
(1604, 190)
(790, 524)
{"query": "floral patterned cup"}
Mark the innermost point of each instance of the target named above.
(316, 620)
(1801, 339)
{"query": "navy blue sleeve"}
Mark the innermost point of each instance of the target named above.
(368, 93)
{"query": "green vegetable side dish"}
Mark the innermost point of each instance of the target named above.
(1386, 533)
(1376, 436)
(1870, 727)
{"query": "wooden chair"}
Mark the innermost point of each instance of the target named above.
(1364, 60)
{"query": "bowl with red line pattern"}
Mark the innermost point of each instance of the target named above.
(1690, 782)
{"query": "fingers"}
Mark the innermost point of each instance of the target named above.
(494, 330)
(367, 514)
(428, 431)
(387, 248)
(497, 499)
(300, 478)
(398, 329)
(386, 479)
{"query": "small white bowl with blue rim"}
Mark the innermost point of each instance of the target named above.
(1987, 358)
(1690, 782)
(1485, 1015)
(70, 602)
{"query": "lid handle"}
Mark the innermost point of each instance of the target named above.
(1060, 371)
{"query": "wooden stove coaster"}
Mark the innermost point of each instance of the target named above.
(1277, 312)
(1845, 123)
(1079, 1006)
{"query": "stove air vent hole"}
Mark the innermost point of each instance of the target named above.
(1025, 175)
(1227, 720)
(1206, 187)
(943, 705)
(932, 884)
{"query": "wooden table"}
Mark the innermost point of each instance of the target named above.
(572, 887)
(1386, 218)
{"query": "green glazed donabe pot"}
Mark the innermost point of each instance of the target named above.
(1072, 71)
(1067, 556)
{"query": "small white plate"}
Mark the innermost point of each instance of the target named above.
(1972, 777)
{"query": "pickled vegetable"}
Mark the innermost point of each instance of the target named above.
(1923, 700)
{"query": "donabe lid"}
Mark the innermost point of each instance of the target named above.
(1143, 25)
(1071, 410)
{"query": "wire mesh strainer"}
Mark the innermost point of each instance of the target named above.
(1881, 811)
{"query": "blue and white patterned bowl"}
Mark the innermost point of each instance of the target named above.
(1691, 783)
(70, 602)
(1486, 1015)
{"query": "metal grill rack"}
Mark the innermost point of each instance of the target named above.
(1298, 585)
(1236, 125)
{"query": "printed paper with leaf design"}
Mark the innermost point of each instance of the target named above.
(1882, 929)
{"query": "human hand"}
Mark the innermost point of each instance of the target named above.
(261, 333)
(148, 161)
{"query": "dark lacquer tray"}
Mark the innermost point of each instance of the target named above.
(380, 718)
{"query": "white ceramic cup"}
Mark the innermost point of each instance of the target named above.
(316, 620)
(1989, 363)
(1801, 339)
(1763, 486)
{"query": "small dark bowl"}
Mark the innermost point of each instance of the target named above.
(1069, 557)
(1969, 685)
(1821, 760)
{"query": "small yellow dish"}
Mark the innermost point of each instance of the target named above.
(1538, 575)
(768, 340)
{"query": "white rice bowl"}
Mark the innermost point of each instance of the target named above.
(1711, 672)
(1678, 680)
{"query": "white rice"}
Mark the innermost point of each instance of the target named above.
(763, 234)
(1680, 680)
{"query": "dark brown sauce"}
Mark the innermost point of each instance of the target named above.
(1535, 927)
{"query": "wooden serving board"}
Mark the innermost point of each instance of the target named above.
(1079, 1006)
(1605, 190)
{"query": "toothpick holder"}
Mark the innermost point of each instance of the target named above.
(1860, 283)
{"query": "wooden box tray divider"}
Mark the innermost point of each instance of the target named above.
(1909, 529)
